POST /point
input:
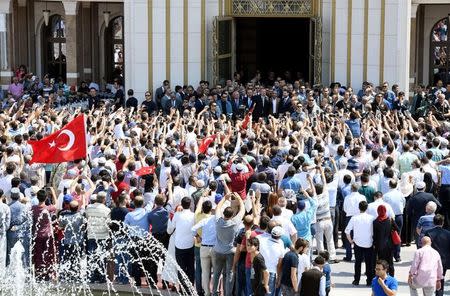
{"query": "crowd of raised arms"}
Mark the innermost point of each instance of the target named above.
(251, 187)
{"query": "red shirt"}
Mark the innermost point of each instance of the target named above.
(121, 187)
(239, 180)
(119, 165)
(42, 220)
(248, 256)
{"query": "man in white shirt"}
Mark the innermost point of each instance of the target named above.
(372, 210)
(342, 172)
(97, 233)
(286, 213)
(351, 208)
(362, 227)
(178, 192)
(397, 201)
(273, 253)
(288, 227)
(183, 222)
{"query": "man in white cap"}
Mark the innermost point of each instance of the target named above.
(417, 203)
(273, 253)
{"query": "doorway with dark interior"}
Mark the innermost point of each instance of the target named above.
(278, 45)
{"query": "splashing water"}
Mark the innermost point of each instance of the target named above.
(78, 272)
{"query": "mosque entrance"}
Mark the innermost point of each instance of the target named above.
(268, 47)
(273, 46)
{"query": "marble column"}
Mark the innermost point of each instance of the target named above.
(73, 72)
(413, 60)
(5, 45)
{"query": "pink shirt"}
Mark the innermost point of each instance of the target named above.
(16, 90)
(426, 267)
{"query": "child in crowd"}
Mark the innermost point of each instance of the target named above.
(326, 270)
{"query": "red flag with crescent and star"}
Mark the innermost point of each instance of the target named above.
(67, 144)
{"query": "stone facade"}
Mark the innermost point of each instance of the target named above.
(374, 40)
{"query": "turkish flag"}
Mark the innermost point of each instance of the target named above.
(67, 144)
(147, 170)
(247, 117)
(205, 143)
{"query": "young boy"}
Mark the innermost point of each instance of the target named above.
(259, 273)
(327, 271)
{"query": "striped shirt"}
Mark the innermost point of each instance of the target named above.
(323, 206)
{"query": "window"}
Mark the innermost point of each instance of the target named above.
(439, 58)
(55, 48)
(114, 49)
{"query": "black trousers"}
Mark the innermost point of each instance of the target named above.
(444, 199)
(407, 233)
(386, 254)
(163, 238)
(186, 261)
(364, 255)
(141, 261)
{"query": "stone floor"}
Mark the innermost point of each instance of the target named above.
(342, 276)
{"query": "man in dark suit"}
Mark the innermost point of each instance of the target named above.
(236, 102)
(93, 99)
(285, 103)
(274, 103)
(261, 105)
(199, 104)
(248, 99)
(440, 241)
(174, 102)
(416, 205)
(160, 92)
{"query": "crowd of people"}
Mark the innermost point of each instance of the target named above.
(251, 187)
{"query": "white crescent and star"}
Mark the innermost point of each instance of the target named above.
(69, 144)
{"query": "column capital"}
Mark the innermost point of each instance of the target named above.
(70, 7)
(414, 10)
(22, 3)
(5, 6)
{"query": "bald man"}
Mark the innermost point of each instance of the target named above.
(426, 270)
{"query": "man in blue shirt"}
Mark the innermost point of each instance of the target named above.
(354, 124)
(383, 284)
(302, 220)
(138, 226)
(158, 219)
(290, 182)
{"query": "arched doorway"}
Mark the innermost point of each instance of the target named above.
(114, 50)
(54, 45)
(439, 55)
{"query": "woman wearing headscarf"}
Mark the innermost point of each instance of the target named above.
(382, 241)
(430, 185)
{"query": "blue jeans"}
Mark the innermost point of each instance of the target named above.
(222, 265)
(272, 285)
(122, 268)
(346, 243)
(95, 249)
(11, 240)
(248, 281)
(198, 272)
(399, 222)
(240, 279)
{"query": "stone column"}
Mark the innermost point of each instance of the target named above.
(403, 45)
(413, 52)
(73, 72)
(5, 45)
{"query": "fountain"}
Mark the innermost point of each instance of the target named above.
(71, 273)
